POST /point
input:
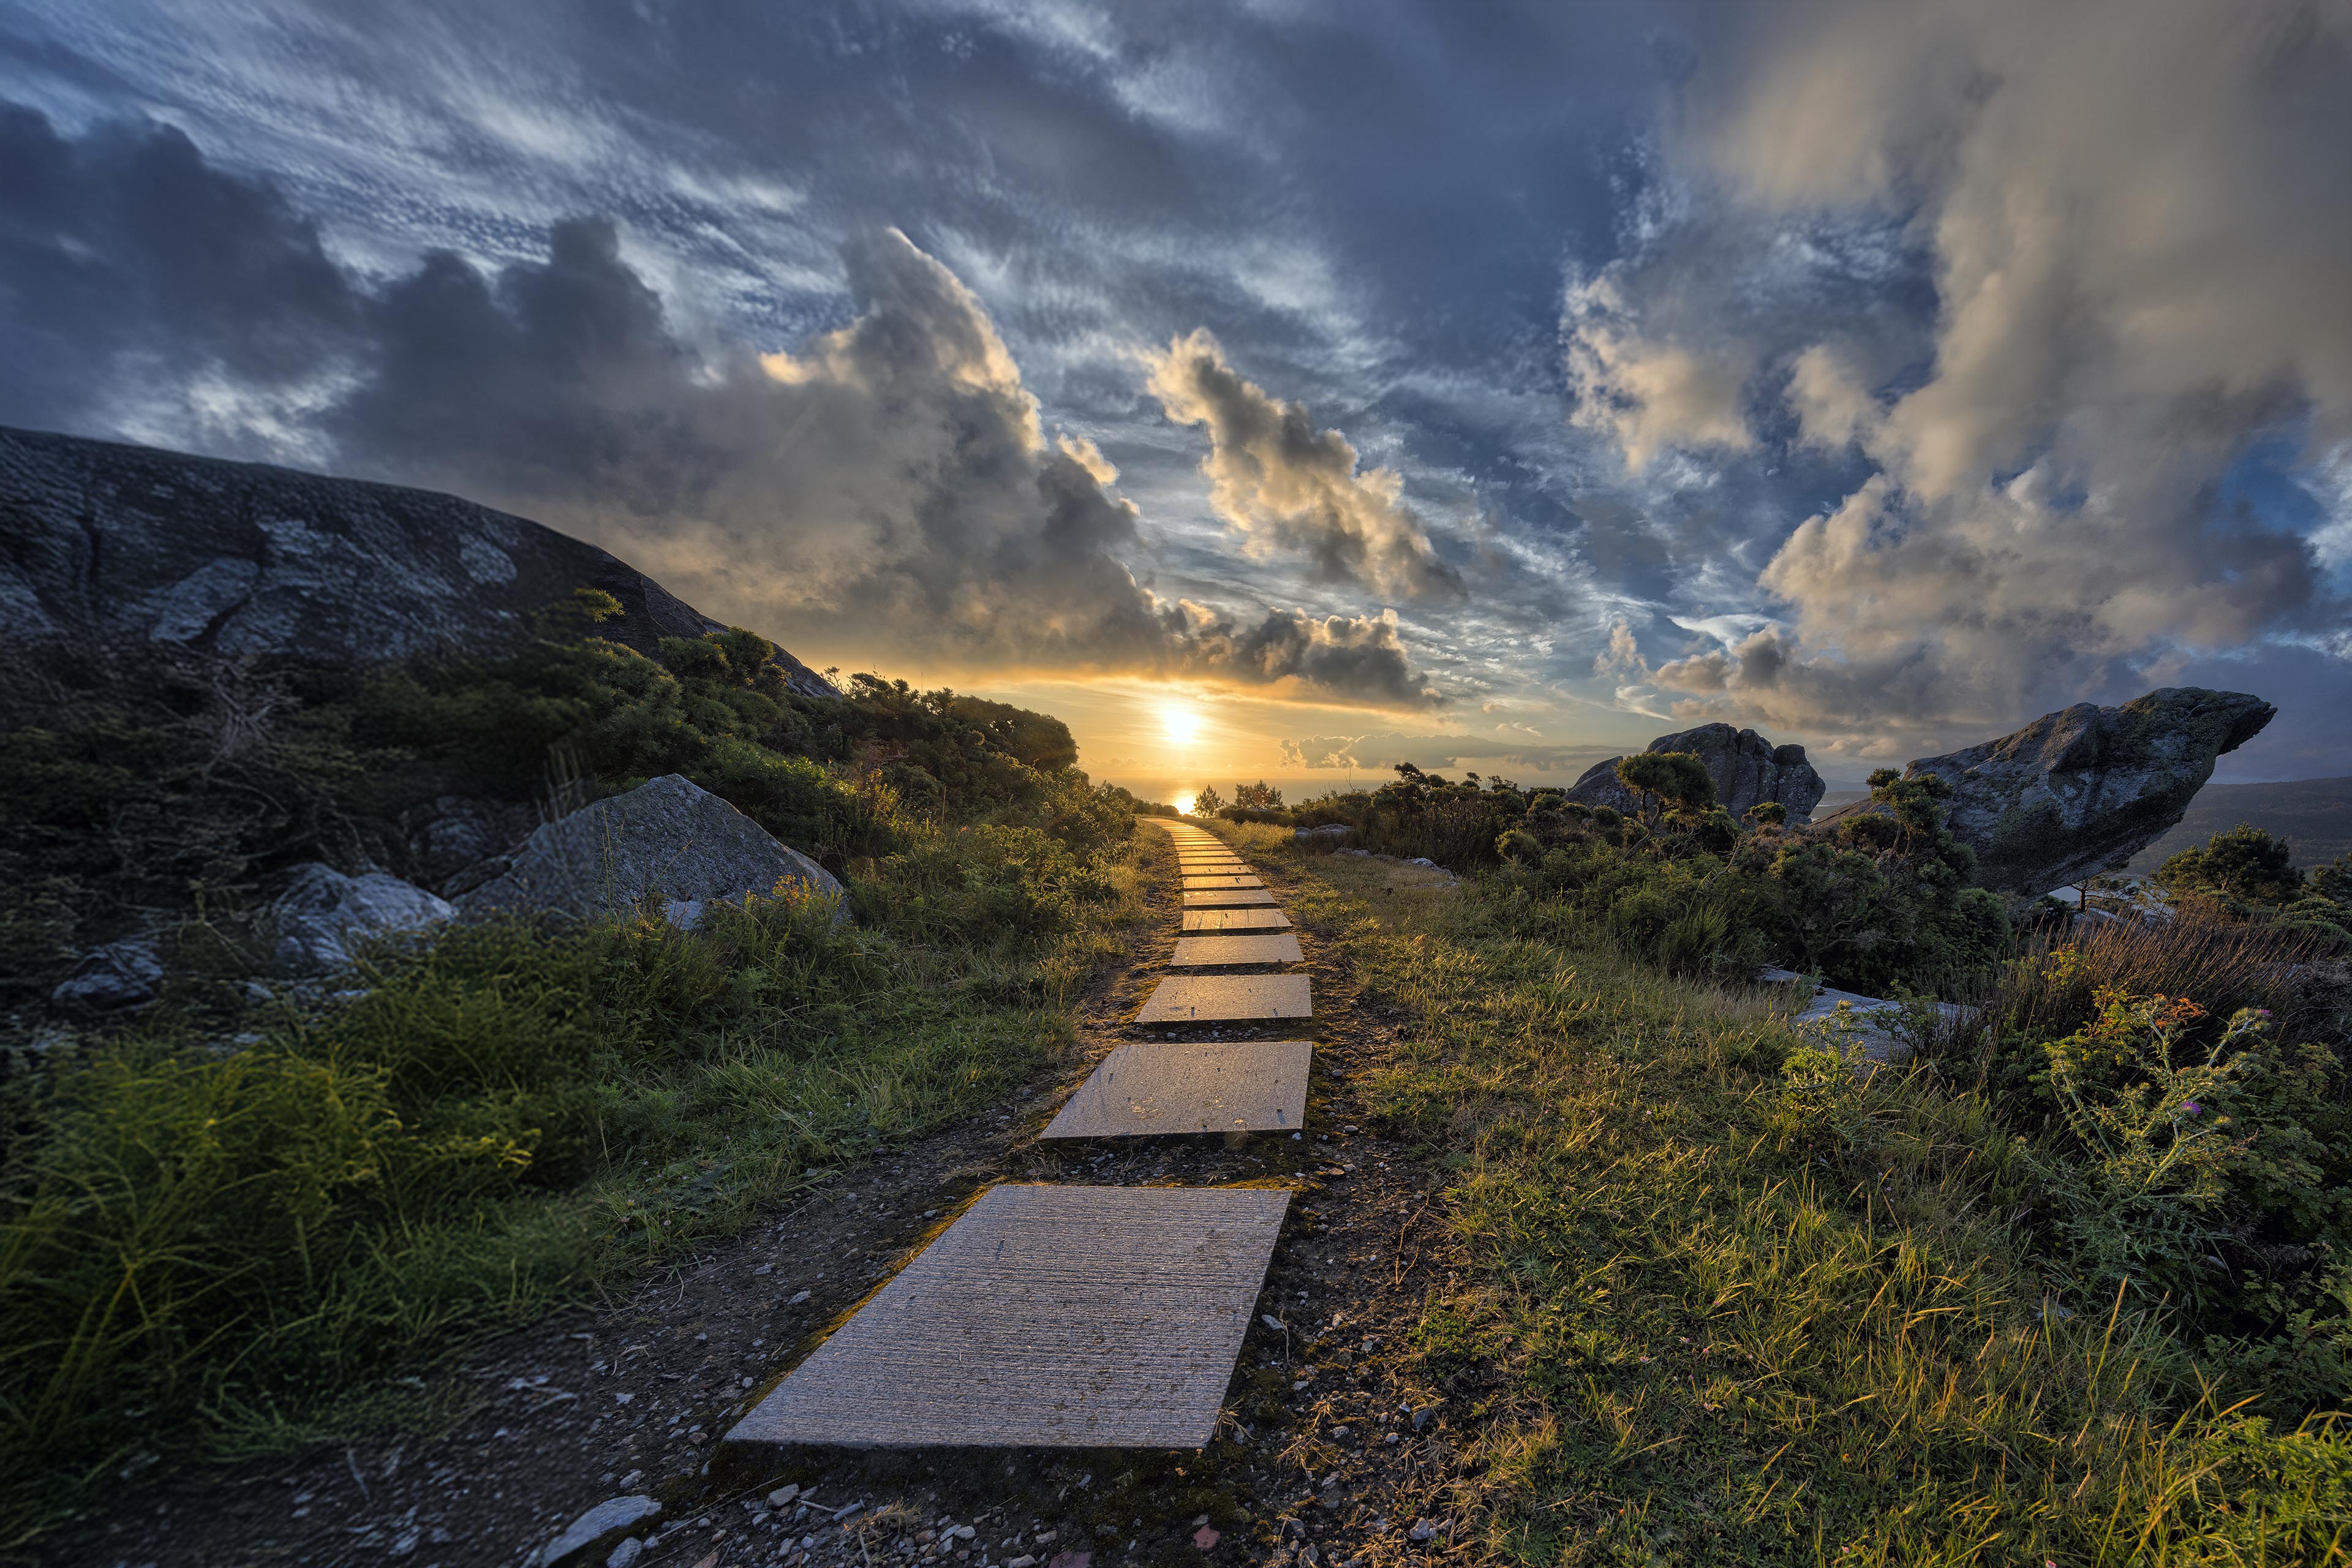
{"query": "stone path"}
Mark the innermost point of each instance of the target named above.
(1055, 1316)
(1046, 1317)
(1213, 951)
(1235, 920)
(1203, 1086)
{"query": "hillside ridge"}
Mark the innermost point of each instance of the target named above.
(109, 543)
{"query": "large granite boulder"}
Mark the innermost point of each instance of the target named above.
(669, 840)
(2081, 790)
(105, 543)
(321, 912)
(1746, 768)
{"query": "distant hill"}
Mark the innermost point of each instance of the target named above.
(2314, 816)
(102, 543)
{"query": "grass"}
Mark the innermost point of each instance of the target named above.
(218, 1253)
(1725, 1307)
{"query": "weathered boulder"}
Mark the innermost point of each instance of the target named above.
(2081, 790)
(321, 911)
(455, 832)
(1747, 770)
(668, 839)
(105, 543)
(120, 974)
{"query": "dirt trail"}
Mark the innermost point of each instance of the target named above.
(1334, 1453)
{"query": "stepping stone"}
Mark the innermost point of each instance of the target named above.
(1228, 998)
(1212, 864)
(1207, 951)
(1213, 1086)
(1206, 884)
(1067, 1317)
(1226, 897)
(1235, 920)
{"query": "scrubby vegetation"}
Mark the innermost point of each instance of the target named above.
(227, 1223)
(2064, 1289)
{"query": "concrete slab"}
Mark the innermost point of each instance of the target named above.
(1228, 998)
(1235, 920)
(1045, 1317)
(1217, 1086)
(1226, 897)
(1222, 880)
(1208, 952)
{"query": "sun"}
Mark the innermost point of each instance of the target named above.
(1182, 722)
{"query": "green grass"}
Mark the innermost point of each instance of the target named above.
(1725, 1307)
(209, 1253)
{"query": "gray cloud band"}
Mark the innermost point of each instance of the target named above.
(890, 482)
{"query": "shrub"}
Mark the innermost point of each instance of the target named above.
(2241, 866)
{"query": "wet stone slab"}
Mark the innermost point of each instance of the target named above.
(1219, 1085)
(1045, 1317)
(1226, 897)
(1226, 999)
(1235, 920)
(1209, 952)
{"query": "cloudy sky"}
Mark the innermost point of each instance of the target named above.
(1280, 387)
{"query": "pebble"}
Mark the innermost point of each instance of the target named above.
(600, 1525)
(783, 1497)
(626, 1553)
(798, 1299)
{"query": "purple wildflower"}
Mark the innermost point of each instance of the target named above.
(2190, 1108)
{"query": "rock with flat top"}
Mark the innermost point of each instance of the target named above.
(1747, 770)
(669, 840)
(2081, 790)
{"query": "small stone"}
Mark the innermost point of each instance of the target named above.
(632, 1479)
(765, 1269)
(1421, 1417)
(1338, 1431)
(1025, 1561)
(1422, 1530)
(1072, 1559)
(783, 1497)
(600, 1528)
(798, 1299)
(1204, 1538)
(626, 1553)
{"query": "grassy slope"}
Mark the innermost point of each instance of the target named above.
(1720, 1318)
(147, 1281)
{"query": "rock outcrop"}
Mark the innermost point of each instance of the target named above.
(120, 974)
(321, 912)
(1747, 770)
(2081, 790)
(105, 543)
(669, 840)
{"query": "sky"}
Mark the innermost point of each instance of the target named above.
(1280, 389)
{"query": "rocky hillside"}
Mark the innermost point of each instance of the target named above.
(101, 543)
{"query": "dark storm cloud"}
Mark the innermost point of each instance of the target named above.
(127, 262)
(889, 486)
